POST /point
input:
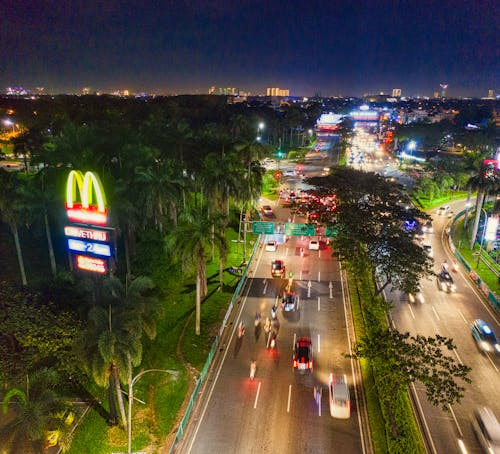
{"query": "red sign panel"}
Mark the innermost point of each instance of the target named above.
(92, 264)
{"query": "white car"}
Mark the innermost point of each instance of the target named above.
(314, 245)
(416, 297)
(445, 209)
(338, 393)
(271, 246)
(288, 173)
(487, 429)
(427, 248)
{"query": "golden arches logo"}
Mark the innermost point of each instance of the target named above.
(80, 204)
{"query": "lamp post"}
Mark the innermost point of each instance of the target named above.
(131, 383)
(260, 128)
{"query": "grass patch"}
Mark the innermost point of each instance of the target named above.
(461, 239)
(375, 416)
(429, 204)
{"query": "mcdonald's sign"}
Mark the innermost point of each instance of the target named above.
(81, 206)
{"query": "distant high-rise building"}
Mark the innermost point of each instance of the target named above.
(443, 90)
(275, 91)
(223, 91)
(396, 92)
(436, 95)
(491, 94)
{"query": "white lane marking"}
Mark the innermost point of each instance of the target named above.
(319, 345)
(289, 398)
(456, 422)
(294, 340)
(435, 312)
(319, 276)
(265, 287)
(458, 357)
(411, 310)
(319, 305)
(257, 396)
(462, 315)
(319, 403)
(421, 412)
(462, 447)
(491, 361)
(286, 252)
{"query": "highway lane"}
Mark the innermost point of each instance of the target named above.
(277, 412)
(450, 315)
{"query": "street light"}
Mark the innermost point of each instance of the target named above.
(260, 128)
(132, 382)
(8, 122)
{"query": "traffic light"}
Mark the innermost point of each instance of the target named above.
(279, 153)
(277, 174)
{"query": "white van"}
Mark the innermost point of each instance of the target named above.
(338, 392)
(487, 429)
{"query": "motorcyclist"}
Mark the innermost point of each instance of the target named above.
(253, 368)
(241, 330)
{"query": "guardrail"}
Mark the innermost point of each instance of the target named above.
(192, 400)
(492, 298)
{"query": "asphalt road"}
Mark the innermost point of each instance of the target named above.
(450, 315)
(278, 411)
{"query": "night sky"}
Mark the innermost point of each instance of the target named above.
(347, 47)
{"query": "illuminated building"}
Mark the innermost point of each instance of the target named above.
(396, 92)
(275, 91)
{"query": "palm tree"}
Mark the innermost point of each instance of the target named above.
(9, 212)
(31, 412)
(484, 186)
(115, 330)
(188, 245)
(38, 195)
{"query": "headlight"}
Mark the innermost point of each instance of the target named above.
(497, 348)
(452, 287)
(485, 346)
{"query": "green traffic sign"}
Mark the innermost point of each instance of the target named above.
(331, 231)
(263, 227)
(292, 229)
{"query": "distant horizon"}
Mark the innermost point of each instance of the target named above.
(33, 91)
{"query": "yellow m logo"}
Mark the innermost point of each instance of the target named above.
(80, 204)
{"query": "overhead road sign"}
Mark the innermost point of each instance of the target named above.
(263, 227)
(292, 229)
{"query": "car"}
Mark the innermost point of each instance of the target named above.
(278, 268)
(289, 173)
(292, 196)
(271, 246)
(484, 336)
(290, 302)
(445, 282)
(427, 227)
(314, 245)
(426, 246)
(487, 429)
(445, 209)
(303, 354)
(267, 210)
(338, 393)
(416, 297)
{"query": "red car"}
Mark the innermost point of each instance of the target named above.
(303, 354)
(278, 268)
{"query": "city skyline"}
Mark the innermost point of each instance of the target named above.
(332, 48)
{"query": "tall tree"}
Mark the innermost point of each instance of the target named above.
(9, 212)
(117, 323)
(188, 244)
